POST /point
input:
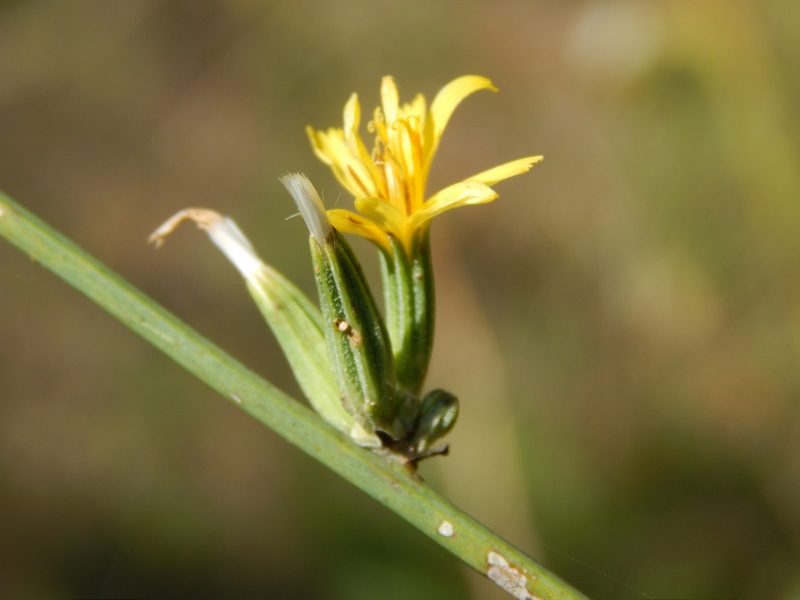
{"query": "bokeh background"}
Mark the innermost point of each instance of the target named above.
(622, 326)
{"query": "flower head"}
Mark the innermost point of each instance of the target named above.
(388, 182)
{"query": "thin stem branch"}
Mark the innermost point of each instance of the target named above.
(391, 484)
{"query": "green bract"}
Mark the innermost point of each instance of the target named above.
(358, 344)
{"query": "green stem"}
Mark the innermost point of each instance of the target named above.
(385, 480)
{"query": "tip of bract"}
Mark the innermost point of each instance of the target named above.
(309, 204)
(223, 232)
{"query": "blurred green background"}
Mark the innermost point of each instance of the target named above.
(622, 326)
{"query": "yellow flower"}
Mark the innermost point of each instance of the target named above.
(389, 183)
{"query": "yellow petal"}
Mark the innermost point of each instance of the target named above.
(509, 169)
(324, 149)
(401, 150)
(317, 145)
(349, 222)
(352, 114)
(384, 214)
(395, 183)
(414, 108)
(413, 165)
(379, 178)
(378, 126)
(390, 98)
(332, 149)
(361, 183)
(459, 194)
(445, 103)
(352, 121)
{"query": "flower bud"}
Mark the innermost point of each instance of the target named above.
(435, 419)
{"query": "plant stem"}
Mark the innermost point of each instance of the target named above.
(383, 478)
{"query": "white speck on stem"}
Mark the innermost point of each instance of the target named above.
(446, 529)
(235, 398)
(507, 577)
